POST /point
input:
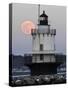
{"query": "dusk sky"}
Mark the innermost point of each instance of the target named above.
(21, 42)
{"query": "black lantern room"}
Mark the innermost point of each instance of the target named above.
(43, 19)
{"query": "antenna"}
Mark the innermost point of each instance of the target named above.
(38, 12)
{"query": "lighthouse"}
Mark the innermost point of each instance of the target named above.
(44, 60)
(43, 48)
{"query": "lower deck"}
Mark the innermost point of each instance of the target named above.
(43, 58)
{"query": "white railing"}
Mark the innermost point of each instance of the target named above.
(53, 31)
(48, 31)
(33, 31)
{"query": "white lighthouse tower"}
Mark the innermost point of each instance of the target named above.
(43, 42)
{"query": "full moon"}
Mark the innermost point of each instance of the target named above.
(26, 27)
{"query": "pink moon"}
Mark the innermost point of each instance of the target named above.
(27, 26)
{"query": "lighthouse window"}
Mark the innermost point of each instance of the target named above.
(42, 18)
(41, 47)
(41, 57)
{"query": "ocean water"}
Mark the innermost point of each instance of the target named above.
(20, 73)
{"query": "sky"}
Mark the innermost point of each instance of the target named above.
(22, 43)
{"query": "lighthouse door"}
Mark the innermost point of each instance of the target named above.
(41, 47)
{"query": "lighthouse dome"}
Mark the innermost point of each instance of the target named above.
(43, 19)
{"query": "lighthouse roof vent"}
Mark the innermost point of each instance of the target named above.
(43, 14)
